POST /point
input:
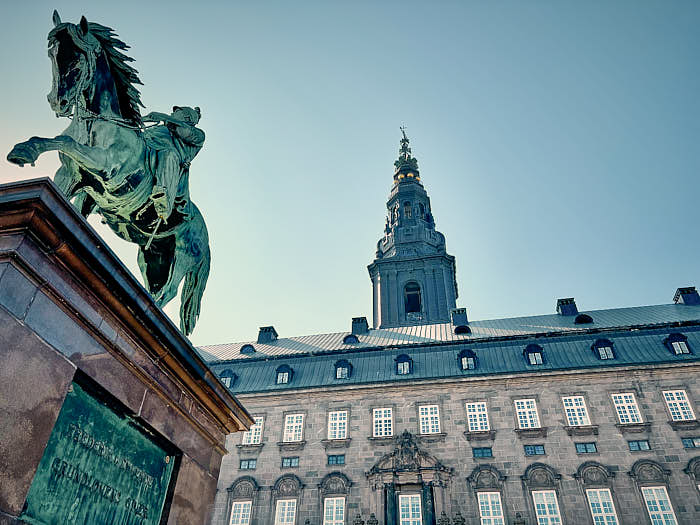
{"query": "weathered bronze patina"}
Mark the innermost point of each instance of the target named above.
(135, 176)
(99, 466)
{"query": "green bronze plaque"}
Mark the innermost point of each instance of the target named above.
(99, 467)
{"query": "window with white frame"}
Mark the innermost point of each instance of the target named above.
(626, 408)
(602, 507)
(576, 412)
(659, 506)
(546, 507)
(526, 410)
(680, 347)
(254, 435)
(382, 422)
(338, 424)
(429, 419)
(477, 417)
(285, 511)
(678, 405)
(490, 509)
(410, 509)
(334, 511)
(240, 512)
(293, 427)
(282, 377)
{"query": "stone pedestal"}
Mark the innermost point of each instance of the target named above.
(71, 313)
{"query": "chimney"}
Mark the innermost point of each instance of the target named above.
(459, 317)
(688, 295)
(567, 306)
(360, 326)
(267, 334)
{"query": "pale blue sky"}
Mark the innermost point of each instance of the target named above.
(557, 140)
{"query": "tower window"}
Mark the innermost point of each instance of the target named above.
(412, 297)
(407, 210)
(421, 210)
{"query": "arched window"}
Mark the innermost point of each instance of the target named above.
(421, 210)
(603, 349)
(407, 210)
(404, 365)
(677, 344)
(228, 377)
(343, 369)
(284, 374)
(534, 355)
(412, 299)
(467, 360)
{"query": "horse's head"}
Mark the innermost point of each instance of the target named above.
(82, 56)
(73, 51)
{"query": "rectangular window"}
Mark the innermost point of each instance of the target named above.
(638, 444)
(338, 424)
(248, 464)
(334, 511)
(546, 507)
(477, 417)
(526, 410)
(482, 452)
(429, 419)
(403, 367)
(254, 435)
(605, 352)
(586, 448)
(382, 426)
(692, 442)
(680, 347)
(336, 459)
(226, 380)
(341, 372)
(293, 427)
(535, 358)
(282, 378)
(678, 405)
(290, 462)
(468, 363)
(409, 509)
(240, 512)
(659, 506)
(626, 408)
(576, 412)
(490, 509)
(602, 507)
(285, 511)
(534, 450)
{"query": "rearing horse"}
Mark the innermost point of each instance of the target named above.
(105, 165)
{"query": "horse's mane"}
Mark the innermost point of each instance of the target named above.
(125, 76)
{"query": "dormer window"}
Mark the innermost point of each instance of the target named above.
(603, 349)
(247, 349)
(412, 299)
(350, 339)
(677, 344)
(534, 355)
(284, 374)
(583, 319)
(467, 360)
(404, 365)
(227, 377)
(343, 369)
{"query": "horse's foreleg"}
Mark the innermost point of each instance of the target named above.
(94, 159)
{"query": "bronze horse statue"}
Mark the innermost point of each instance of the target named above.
(112, 164)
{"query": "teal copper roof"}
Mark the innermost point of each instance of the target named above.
(444, 332)
(638, 335)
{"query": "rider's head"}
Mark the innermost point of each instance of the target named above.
(186, 114)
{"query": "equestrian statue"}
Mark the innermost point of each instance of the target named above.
(133, 170)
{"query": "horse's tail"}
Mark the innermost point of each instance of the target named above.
(192, 291)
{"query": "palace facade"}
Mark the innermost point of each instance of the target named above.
(428, 418)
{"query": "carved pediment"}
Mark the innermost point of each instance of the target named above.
(486, 477)
(407, 457)
(594, 474)
(648, 471)
(287, 485)
(243, 488)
